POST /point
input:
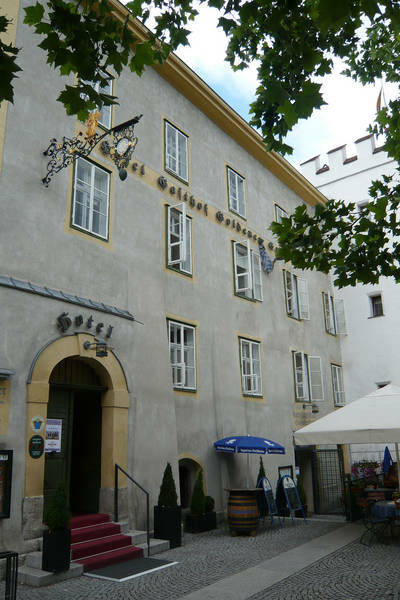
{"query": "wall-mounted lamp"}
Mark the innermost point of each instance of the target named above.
(100, 346)
(6, 374)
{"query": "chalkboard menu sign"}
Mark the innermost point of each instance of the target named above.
(6, 457)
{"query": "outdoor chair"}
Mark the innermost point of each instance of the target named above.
(375, 528)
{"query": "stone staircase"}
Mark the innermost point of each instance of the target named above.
(95, 543)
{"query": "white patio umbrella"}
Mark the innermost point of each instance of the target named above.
(375, 419)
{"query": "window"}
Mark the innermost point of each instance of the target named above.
(90, 204)
(250, 367)
(176, 151)
(279, 213)
(247, 267)
(376, 305)
(296, 292)
(182, 351)
(106, 88)
(236, 193)
(335, 318)
(337, 385)
(179, 239)
(363, 207)
(307, 377)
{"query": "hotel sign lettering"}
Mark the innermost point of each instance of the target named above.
(64, 322)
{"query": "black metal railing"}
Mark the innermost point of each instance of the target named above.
(118, 468)
(11, 574)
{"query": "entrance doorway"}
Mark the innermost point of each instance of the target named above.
(75, 408)
(187, 476)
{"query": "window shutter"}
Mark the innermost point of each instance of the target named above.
(186, 264)
(182, 156)
(340, 315)
(299, 379)
(316, 384)
(176, 216)
(329, 323)
(257, 280)
(287, 276)
(232, 189)
(170, 147)
(240, 191)
(304, 303)
(337, 384)
(242, 268)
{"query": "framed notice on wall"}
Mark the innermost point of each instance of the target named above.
(53, 435)
(6, 457)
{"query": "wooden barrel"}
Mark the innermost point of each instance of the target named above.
(243, 512)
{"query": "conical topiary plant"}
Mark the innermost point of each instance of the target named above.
(168, 495)
(198, 502)
(261, 471)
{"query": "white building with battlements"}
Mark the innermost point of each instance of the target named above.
(371, 354)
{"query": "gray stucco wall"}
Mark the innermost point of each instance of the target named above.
(129, 273)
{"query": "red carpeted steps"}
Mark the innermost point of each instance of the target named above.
(96, 543)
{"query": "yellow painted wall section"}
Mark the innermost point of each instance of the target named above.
(115, 406)
(9, 8)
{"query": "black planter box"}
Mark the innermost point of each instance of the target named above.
(56, 550)
(200, 523)
(167, 524)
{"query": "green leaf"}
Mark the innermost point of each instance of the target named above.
(34, 14)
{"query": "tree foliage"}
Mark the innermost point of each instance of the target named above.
(295, 43)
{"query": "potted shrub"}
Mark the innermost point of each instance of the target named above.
(167, 513)
(56, 554)
(202, 516)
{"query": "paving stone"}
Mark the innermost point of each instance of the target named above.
(204, 559)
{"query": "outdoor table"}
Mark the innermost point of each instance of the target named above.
(243, 515)
(384, 509)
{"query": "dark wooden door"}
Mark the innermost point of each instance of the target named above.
(86, 452)
(58, 464)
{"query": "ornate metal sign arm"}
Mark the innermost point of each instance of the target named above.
(120, 147)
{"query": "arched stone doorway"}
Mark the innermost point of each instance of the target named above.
(188, 468)
(66, 359)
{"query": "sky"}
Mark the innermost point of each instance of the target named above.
(350, 106)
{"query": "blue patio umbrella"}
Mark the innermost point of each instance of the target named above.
(248, 444)
(387, 460)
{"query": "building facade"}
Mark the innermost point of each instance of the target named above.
(369, 348)
(139, 324)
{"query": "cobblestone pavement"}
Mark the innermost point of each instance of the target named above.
(204, 559)
(355, 572)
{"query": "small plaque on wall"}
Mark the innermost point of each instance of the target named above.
(36, 446)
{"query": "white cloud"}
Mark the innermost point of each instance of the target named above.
(350, 106)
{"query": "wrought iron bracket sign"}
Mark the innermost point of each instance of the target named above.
(119, 146)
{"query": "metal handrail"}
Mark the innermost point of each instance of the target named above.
(10, 592)
(118, 467)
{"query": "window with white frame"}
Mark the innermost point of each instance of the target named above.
(105, 87)
(296, 294)
(279, 213)
(236, 193)
(376, 306)
(307, 377)
(337, 385)
(250, 361)
(247, 271)
(335, 318)
(182, 351)
(179, 239)
(176, 151)
(90, 202)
